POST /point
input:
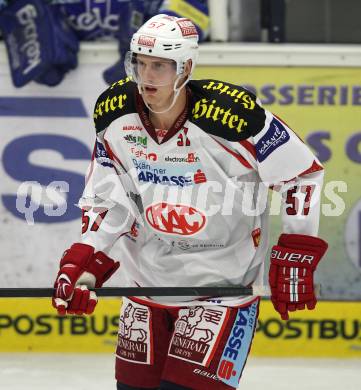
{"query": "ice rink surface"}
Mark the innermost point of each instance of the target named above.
(95, 372)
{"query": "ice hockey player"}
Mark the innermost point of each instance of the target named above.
(179, 180)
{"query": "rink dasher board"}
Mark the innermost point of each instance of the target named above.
(333, 329)
(238, 54)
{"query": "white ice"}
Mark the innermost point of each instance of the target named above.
(96, 372)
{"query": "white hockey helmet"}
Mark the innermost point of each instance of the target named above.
(167, 37)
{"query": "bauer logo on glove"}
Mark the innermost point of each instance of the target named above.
(292, 256)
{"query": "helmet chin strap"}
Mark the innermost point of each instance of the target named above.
(175, 95)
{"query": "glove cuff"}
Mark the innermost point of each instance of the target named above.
(102, 267)
(78, 254)
(98, 264)
(296, 241)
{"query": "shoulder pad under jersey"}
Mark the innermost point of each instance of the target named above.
(225, 110)
(114, 102)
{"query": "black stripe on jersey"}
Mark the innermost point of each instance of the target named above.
(114, 102)
(225, 110)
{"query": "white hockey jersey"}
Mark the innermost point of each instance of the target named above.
(192, 210)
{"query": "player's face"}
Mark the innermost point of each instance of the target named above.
(155, 71)
(156, 77)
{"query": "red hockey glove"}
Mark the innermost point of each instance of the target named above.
(293, 261)
(81, 268)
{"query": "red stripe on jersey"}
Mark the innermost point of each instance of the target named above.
(313, 168)
(112, 155)
(93, 154)
(240, 158)
(250, 148)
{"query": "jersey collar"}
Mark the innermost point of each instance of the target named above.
(177, 125)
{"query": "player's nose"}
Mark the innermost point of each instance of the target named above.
(148, 75)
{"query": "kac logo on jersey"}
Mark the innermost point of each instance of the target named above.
(276, 136)
(175, 219)
(238, 344)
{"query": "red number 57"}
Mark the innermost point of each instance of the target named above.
(155, 24)
(292, 201)
(101, 211)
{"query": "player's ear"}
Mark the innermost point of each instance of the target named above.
(186, 71)
(187, 67)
